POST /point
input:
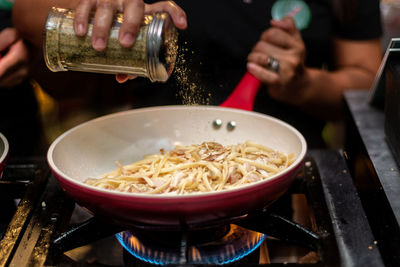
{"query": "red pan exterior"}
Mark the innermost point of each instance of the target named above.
(193, 210)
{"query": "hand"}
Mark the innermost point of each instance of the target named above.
(283, 42)
(121, 78)
(14, 60)
(133, 11)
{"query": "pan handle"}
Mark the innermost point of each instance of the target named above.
(242, 97)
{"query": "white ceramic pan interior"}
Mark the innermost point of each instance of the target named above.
(4, 150)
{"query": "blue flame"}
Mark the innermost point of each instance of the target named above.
(124, 243)
(172, 256)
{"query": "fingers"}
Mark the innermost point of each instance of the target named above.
(280, 38)
(121, 78)
(264, 60)
(81, 18)
(266, 48)
(7, 37)
(277, 89)
(133, 11)
(290, 66)
(287, 24)
(133, 17)
(177, 14)
(105, 10)
(264, 75)
(103, 19)
(282, 43)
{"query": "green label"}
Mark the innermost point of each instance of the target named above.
(6, 4)
(297, 9)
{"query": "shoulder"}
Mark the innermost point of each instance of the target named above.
(357, 19)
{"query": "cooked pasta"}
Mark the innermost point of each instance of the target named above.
(196, 168)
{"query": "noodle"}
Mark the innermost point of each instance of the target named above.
(196, 168)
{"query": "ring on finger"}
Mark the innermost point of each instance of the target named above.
(273, 64)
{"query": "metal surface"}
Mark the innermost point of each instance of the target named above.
(392, 107)
(217, 124)
(356, 243)
(231, 125)
(35, 178)
(375, 173)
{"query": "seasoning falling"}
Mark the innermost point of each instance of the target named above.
(190, 90)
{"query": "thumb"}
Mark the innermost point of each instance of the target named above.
(287, 24)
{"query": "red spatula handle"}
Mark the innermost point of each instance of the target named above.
(244, 94)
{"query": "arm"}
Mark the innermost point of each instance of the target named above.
(317, 91)
(356, 65)
(29, 17)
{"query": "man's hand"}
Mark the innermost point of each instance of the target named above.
(133, 11)
(283, 42)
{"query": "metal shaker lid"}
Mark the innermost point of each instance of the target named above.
(162, 47)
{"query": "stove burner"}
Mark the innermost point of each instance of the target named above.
(42, 231)
(235, 244)
(174, 238)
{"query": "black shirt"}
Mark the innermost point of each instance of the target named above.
(221, 34)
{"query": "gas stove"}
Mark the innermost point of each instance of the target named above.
(342, 209)
(320, 221)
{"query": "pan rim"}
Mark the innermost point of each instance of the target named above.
(195, 195)
(4, 154)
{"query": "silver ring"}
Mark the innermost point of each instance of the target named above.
(273, 64)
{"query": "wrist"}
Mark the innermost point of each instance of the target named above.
(303, 86)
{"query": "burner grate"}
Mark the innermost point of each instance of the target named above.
(26, 183)
(41, 233)
(21, 187)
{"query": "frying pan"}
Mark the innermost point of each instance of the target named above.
(91, 148)
(4, 149)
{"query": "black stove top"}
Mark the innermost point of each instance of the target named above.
(318, 222)
(375, 172)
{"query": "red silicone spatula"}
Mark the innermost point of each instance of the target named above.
(244, 94)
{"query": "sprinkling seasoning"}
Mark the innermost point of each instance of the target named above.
(191, 91)
(153, 55)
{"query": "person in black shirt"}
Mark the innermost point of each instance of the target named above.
(339, 49)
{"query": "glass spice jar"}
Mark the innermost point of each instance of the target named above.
(153, 55)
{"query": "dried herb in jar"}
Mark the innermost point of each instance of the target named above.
(153, 55)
